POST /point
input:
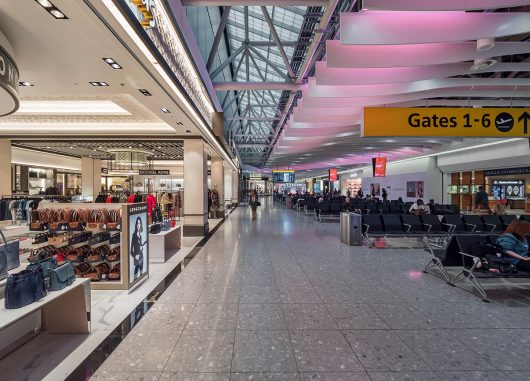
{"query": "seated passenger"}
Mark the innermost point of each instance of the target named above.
(482, 209)
(346, 205)
(514, 244)
(418, 208)
(499, 210)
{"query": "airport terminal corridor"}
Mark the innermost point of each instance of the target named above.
(281, 298)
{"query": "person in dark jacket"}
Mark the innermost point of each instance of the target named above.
(137, 252)
(514, 244)
(481, 199)
(347, 205)
(384, 194)
(253, 202)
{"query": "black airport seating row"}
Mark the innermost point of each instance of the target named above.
(431, 224)
(464, 252)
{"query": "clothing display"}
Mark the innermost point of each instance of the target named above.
(18, 208)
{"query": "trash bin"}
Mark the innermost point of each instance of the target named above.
(351, 228)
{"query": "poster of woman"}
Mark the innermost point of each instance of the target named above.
(138, 244)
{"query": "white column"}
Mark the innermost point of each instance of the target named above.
(90, 176)
(228, 184)
(195, 188)
(5, 167)
(218, 178)
(235, 188)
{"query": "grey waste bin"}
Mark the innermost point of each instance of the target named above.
(351, 228)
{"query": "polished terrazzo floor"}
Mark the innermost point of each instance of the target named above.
(282, 299)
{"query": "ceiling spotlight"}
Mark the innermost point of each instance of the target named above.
(113, 64)
(99, 83)
(483, 64)
(165, 111)
(52, 9)
(48, 147)
(25, 84)
(145, 92)
(484, 44)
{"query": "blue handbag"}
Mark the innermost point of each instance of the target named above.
(61, 277)
(11, 250)
(24, 288)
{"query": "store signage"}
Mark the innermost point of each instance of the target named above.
(8, 83)
(507, 171)
(153, 172)
(333, 176)
(513, 188)
(379, 166)
(481, 122)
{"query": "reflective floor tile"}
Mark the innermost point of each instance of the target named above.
(174, 376)
(263, 351)
(308, 316)
(126, 376)
(264, 377)
(166, 316)
(334, 376)
(259, 294)
(253, 317)
(299, 294)
(355, 316)
(213, 317)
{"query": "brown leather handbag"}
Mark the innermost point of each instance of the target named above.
(58, 220)
(115, 273)
(113, 221)
(114, 255)
(39, 219)
(96, 220)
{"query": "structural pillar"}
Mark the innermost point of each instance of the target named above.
(218, 181)
(195, 188)
(5, 167)
(90, 177)
(235, 188)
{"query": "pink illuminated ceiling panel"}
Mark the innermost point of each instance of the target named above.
(390, 99)
(301, 110)
(396, 28)
(373, 56)
(313, 132)
(326, 119)
(440, 5)
(315, 90)
(361, 76)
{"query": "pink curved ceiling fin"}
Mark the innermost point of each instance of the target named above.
(440, 5)
(384, 28)
(373, 56)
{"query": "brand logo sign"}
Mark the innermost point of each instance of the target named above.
(507, 171)
(153, 172)
(8, 81)
(480, 122)
(379, 166)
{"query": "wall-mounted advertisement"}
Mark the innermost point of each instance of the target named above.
(138, 242)
(375, 189)
(283, 176)
(333, 176)
(411, 188)
(508, 189)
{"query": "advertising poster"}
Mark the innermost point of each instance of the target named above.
(138, 242)
(411, 188)
(420, 187)
(375, 189)
(333, 176)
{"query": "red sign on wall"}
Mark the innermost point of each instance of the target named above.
(333, 174)
(379, 166)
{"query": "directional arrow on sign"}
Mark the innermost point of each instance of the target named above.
(524, 118)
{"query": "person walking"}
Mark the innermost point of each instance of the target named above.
(254, 203)
(481, 199)
(384, 194)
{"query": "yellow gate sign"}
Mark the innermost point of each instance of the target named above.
(478, 122)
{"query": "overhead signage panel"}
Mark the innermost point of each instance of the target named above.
(471, 122)
(154, 172)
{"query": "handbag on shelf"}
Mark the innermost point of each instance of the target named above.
(115, 239)
(3, 264)
(115, 273)
(24, 288)
(46, 265)
(157, 215)
(40, 238)
(114, 255)
(11, 250)
(58, 220)
(39, 219)
(96, 220)
(155, 229)
(74, 220)
(113, 222)
(61, 277)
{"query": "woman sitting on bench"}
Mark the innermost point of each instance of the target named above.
(514, 244)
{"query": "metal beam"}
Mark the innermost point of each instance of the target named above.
(218, 36)
(227, 62)
(262, 145)
(276, 39)
(271, 64)
(287, 86)
(254, 118)
(281, 3)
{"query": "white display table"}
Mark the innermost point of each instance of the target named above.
(64, 311)
(164, 245)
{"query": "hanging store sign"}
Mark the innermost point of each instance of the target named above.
(333, 176)
(379, 166)
(153, 172)
(480, 122)
(507, 171)
(9, 102)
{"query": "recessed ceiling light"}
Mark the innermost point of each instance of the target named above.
(145, 92)
(113, 64)
(100, 147)
(130, 147)
(71, 147)
(98, 83)
(165, 111)
(25, 84)
(52, 9)
(48, 147)
(159, 147)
